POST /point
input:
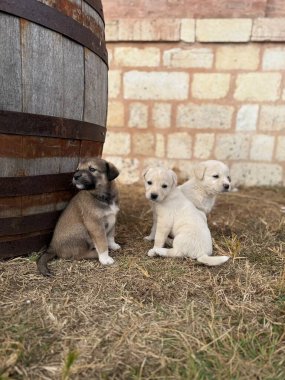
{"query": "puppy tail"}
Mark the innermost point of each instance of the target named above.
(46, 256)
(212, 260)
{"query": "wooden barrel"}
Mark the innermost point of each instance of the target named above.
(53, 106)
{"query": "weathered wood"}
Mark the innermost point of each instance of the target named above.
(53, 102)
(72, 8)
(29, 124)
(28, 224)
(11, 146)
(11, 167)
(10, 207)
(42, 58)
(35, 204)
(10, 64)
(92, 20)
(90, 149)
(96, 77)
(24, 245)
(73, 80)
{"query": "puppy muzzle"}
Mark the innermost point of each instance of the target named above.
(84, 180)
(153, 196)
(226, 186)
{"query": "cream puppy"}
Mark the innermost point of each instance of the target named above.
(210, 179)
(177, 216)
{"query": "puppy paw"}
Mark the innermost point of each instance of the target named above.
(106, 260)
(161, 251)
(114, 246)
(149, 238)
(151, 252)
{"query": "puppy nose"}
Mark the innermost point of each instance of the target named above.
(77, 175)
(226, 186)
(153, 196)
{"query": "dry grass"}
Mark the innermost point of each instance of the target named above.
(155, 318)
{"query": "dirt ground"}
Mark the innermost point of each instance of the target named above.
(155, 318)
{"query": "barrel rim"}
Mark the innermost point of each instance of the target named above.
(51, 18)
(35, 184)
(18, 225)
(24, 245)
(97, 6)
(29, 124)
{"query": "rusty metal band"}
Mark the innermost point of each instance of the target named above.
(19, 123)
(38, 184)
(97, 6)
(28, 224)
(53, 19)
(24, 245)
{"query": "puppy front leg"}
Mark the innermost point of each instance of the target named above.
(160, 238)
(111, 239)
(151, 236)
(99, 238)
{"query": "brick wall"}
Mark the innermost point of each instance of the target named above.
(187, 89)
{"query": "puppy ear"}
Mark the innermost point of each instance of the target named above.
(145, 172)
(111, 171)
(199, 171)
(174, 177)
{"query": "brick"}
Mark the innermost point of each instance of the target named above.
(187, 31)
(223, 30)
(114, 79)
(156, 85)
(179, 145)
(138, 115)
(188, 8)
(204, 116)
(117, 143)
(262, 148)
(160, 145)
(129, 168)
(135, 57)
(240, 57)
(112, 30)
(116, 114)
(232, 147)
(256, 174)
(152, 161)
(274, 59)
(272, 118)
(110, 56)
(189, 58)
(280, 148)
(247, 118)
(143, 144)
(149, 29)
(275, 8)
(210, 86)
(161, 115)
(258, 86)
(203, 147)
(268, 29)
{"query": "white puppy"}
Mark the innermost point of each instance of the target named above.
(210, 178)
(176, 215)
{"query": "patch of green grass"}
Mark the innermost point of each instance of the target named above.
(70, 359)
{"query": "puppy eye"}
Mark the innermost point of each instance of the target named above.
(216, 176)
(149, 182)
(164, 186)
(229, 178)
(92, 169)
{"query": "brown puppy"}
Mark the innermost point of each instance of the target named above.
(86, 228)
